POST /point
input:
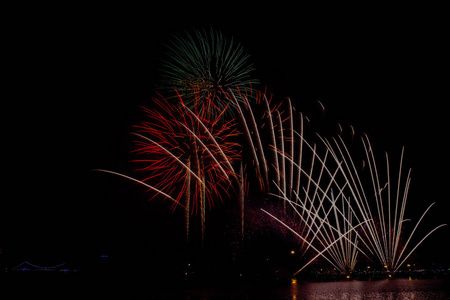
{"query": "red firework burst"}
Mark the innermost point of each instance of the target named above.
(187, 152)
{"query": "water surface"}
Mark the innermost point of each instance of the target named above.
(351, 290)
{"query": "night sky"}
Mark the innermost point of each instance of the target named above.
(76, 79)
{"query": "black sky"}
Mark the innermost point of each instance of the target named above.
(76, 79)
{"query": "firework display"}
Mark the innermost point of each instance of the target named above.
(338, 221)
(205, 63)
(187, 154)
(216, 137)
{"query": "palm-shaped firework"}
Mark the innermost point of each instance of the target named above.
(205, 63)
(340, 216)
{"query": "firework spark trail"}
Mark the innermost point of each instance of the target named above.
(203, 65)
(324, 220)
(300, 152)
(380, 242)
(283, 163)
(198, 66)
(260, 148)
(323, 164)
(318, 181)
(320, 252)
(241, 197)
(207, 150)
(274, 141)
(326, 249)
(291, 153)
(345, 256)
(402, 211)
(298, 235)
(348, 254)
(252, 130)
(187, 198)
(203, 62)
(384, 251)
(173, 156)
(247, 133)
(355, 189)
(311, 180)
(211, 137)
(358, 192)
(188, 152)
(206, 158)
(397, 227)
(390, 213)
(398, 265)
(141, 183)
(307, 222)
(324, 196)
(315, 195)
(312, 217)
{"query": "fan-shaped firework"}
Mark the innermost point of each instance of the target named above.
(289, 169)
(324, 191)
(309, 185)
(385, 217)
(208, 62)
(336, 231)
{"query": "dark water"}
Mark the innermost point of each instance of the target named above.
(351, 290)
(128, 287)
